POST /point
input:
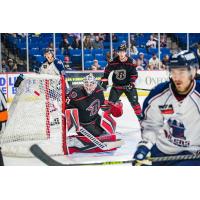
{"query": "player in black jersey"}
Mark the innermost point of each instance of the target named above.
(123, 79)
(89, 99)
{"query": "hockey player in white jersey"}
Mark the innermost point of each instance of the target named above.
(171, 115)
(51, 65)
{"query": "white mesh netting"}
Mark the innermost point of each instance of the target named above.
(36, 116)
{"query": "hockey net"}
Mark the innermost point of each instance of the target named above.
(36, 116)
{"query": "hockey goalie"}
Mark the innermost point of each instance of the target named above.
(38, 113)
(92, 117)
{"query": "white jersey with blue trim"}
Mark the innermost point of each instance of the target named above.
(171, 124)
(54, 68)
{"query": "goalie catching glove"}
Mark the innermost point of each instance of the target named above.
(116, 109)
(142, 153)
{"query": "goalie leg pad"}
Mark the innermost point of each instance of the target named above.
(82, 144)
(108, 123)
(72, 118)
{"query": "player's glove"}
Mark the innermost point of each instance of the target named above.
(116, 109)
(18, 81)
(104, 83)
(130, 86)
(142, 153)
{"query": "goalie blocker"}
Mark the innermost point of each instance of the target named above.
(86, 139)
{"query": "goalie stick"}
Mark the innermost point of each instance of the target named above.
(41, 155)
(102, 145)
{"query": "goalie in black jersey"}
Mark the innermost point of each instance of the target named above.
(88, 108)
(123, 79)
(3, 119)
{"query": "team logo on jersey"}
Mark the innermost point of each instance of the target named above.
(94, 107)
(176, 133)
(73, 94)
(44, 66)
(120, 74)
(166, 109)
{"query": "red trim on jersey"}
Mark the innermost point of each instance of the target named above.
(169, 111)
(104, 79)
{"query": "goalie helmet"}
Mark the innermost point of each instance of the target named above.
(49, 50)
(182, 59)
(89, 83)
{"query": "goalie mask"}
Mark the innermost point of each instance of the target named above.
(89, 84)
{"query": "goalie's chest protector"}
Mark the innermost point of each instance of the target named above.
(88, 106)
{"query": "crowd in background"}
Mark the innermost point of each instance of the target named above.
(92, 41)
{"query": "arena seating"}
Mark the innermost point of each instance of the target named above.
(38, 43)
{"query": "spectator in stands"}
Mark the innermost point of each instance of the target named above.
(67, 63)
(4, 67)
(154, 63)
(10, 64)
(97, 43)
(87, 42)
(165, 62)
(114, 37)
(132, 39)
(163, 41)
(65, 45)
(95, 65)
(108, 56)
(76, 44)
(76, 35)
(15, 68)
(151, 43)
(50, 45)
(134, 50)
(141, 61)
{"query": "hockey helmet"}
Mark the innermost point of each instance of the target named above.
(49, 50)
(89, 83)
(182, 59)
(122, 47)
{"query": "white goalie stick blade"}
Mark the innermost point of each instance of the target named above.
(102, 145)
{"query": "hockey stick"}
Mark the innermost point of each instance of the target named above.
(41, 155)
(125, 87)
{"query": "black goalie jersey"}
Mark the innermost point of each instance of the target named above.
(88, 106)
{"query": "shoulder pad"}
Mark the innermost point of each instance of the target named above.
(154, 92)
(76, 92)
